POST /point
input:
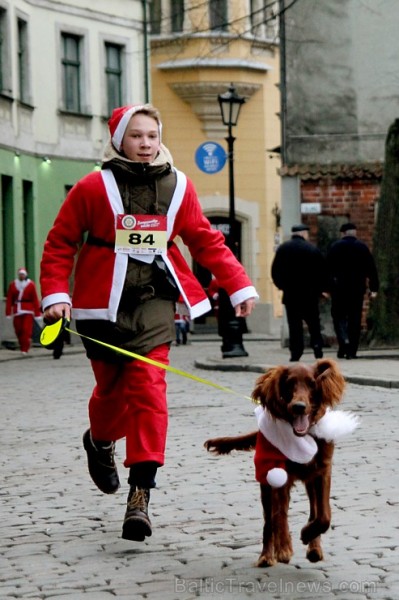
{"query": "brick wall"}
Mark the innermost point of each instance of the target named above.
(341, 200)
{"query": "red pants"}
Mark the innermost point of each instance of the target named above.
(129, 401)
(23, 326)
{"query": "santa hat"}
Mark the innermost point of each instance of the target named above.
(22, 271)
(120, 118)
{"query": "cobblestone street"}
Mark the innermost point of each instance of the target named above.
(61, 538)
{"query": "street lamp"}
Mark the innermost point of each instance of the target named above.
(230, 327)
(230, 105)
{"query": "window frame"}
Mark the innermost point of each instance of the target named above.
(177, 10)
(23, 60)
(5, 53)
(67, 64)
(155, 17)
(113, 73)
(218, 15)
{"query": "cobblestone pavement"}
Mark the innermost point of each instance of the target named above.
(60, 537)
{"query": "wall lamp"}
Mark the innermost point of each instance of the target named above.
(46, 160)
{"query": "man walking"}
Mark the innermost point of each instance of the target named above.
(351, 267)
(299, 270)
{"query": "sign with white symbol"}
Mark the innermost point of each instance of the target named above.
(210, 157)
(310, 208)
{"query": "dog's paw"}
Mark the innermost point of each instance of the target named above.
(217, 446)
(265, 560)
(314, 552)
(284, 556)
(211, 447)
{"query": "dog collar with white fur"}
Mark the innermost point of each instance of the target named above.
(331, 427)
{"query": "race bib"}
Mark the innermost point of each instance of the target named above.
(141, 234)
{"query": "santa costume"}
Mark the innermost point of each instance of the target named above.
(127, 297)
(22, 305)
(276, 442)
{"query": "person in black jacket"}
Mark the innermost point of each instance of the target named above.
(351, 266)
(300, 271)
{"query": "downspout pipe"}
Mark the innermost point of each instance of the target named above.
(146, 52)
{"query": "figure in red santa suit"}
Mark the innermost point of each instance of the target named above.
(129, 274)
(23, 305)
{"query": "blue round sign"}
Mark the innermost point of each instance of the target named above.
(210, 157)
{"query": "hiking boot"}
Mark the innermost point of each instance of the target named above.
(137, 525)
(101, 463)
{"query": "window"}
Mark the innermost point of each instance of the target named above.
(23, 61)
(7, 229)
(177, 15)
(155, 16)
(113, 74)
(263, 18)
(28, 224)
(71, 64)
(218, 15)
(5, 70)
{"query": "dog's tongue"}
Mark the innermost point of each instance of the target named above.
(301, 424)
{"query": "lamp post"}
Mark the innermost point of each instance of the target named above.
(230, 105)
(230, 327)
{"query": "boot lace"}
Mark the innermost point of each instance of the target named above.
(106, 455)
(138, 500)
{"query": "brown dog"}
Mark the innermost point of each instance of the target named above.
(297, 399)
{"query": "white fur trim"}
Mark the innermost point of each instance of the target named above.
(121, 127)
(115, 200)
(335, 424)
(243, 294)
(55, 299)
(91, 313)
(277, 477)
(280, 434)
(177, 199)
(123, 123)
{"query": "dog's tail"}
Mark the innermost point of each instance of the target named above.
(224, 445)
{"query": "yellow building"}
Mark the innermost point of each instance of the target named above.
(197, 50)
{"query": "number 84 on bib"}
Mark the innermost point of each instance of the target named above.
(141, 234)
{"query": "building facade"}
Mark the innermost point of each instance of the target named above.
(63, 67)
(340, 94)
(198, 49)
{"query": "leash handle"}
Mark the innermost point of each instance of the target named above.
(51, 332)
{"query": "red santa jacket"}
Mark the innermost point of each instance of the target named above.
(22, 298)
(91, 206)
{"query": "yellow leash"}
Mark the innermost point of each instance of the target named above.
(51, 332)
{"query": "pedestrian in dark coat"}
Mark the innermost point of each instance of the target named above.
(352, 268)
(300, 271)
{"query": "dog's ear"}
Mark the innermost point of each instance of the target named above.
(267, 389)
(330, 381)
